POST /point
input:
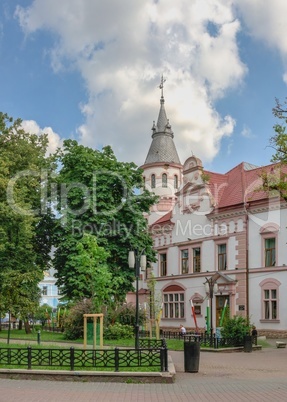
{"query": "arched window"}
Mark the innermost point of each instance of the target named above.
(173, 302)
(175, 182)
(152, 181)
(164, 180)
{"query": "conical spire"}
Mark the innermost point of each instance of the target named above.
(162, 148)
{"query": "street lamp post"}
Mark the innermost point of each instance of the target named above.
(137, 261)
(211, 288)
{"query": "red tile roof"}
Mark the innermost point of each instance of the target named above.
(242, 184)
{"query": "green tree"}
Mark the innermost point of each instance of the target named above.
(98, 196)
(88, 275)
(275, 181)
(43, 313)
(19, 294)
(24, 243)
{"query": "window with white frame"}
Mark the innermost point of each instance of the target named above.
(184, 261)
(221, 255)
(270, 252)
(196, 259)
(270, 304)
(269, 233)
(173, 303)
(45, 290)
(270, 299)
(163, 264)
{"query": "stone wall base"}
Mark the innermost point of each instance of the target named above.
(273, 334)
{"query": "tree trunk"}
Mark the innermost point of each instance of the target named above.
(20, 324)
(27, 327)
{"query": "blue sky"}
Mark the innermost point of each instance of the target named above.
(90, 70)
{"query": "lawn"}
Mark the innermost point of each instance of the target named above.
(172, 344)
(50, 340)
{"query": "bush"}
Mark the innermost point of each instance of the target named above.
(125, 314)
(74, 321)
(119, 331)
(236, 328)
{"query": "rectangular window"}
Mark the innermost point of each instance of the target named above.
(184, 261)
(196, 259)
(270, 304)
(45, 291)
(221, 257)
(270, 255)
(173, 305)
(162, 259)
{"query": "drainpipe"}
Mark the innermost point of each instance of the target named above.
(247, 263)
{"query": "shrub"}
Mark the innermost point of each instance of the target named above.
(119, 331)
(74, 321)
(125, 314)
(236, 328)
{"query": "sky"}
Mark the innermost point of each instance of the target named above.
(90, 70)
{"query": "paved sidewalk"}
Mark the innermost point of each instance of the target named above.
(257, 376)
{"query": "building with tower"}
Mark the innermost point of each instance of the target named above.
(162, 167)
(220, 240)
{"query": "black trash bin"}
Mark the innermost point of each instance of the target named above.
(247, 345)
(191, 353)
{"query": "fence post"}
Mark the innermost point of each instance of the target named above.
(29, 355)
(72, 358)
(163, 359)
(117, 358)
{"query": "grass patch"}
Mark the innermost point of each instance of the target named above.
(29, 340)
(263, 343)
(66, 368)
(21, 334)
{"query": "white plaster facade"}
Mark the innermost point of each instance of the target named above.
(221, 226)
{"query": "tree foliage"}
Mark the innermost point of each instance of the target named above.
(88, 275)
(43, 313)
(24, 245)
(98, 197)
(276, 179)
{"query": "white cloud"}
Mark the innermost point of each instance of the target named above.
(122, 48)
(266, 21)
(247, 132)
(30, 126)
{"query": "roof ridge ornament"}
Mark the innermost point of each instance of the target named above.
(162, 81)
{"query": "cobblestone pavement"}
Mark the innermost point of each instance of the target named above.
(257, 376)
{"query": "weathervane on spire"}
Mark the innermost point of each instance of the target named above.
(162, 81)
